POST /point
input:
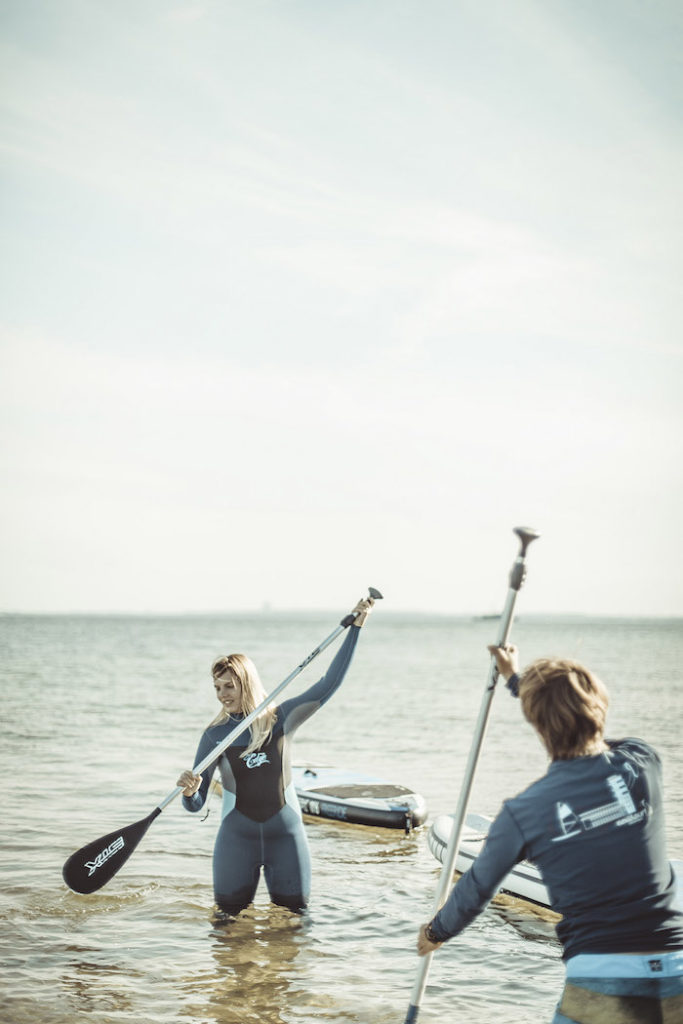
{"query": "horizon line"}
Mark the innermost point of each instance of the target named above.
(270, 610)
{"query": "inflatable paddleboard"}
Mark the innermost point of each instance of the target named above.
(340, 795)
(524, 881)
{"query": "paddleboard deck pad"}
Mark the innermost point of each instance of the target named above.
(524, 881)
(358, 799)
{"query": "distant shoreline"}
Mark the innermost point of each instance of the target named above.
(284, 613)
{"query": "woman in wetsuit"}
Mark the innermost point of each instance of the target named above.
(262, 825)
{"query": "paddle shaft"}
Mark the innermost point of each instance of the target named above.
(445, 880)
(246, 722)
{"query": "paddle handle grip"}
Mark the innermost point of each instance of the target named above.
(518, 572)
(349, 619)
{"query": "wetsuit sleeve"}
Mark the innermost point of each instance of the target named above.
(298, 709)
(503, 849)
(198, 799)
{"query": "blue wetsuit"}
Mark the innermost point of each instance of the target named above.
(262, 825)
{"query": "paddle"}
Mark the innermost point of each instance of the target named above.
(93, 865)
(517, 576)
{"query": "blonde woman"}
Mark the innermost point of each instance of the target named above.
(594, 827)
(262, 825)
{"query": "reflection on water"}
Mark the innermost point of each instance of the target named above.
(123, 702)
(254, 968)
(537, 924)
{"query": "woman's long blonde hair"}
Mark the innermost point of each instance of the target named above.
(243, 671)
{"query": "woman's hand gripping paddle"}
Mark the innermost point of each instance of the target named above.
(94, 865)
(517, 576)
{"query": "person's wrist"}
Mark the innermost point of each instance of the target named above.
(512, 683)
(431, 935)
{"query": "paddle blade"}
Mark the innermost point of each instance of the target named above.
(91, 867)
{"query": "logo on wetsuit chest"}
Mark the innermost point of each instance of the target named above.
(256, 759)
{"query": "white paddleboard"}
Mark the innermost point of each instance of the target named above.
(340, 795)
(524, 881)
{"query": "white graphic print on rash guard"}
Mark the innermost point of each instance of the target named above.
(620, 811)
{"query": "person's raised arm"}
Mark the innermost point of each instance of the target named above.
(298, 709)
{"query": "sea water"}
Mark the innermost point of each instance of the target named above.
(100, 714)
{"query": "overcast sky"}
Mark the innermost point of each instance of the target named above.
(299, 297)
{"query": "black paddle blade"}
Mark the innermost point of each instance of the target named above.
(91, 867)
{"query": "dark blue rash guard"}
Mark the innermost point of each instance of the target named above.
(594, 827)
(261, 818)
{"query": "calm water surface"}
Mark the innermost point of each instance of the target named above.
(100, 715)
